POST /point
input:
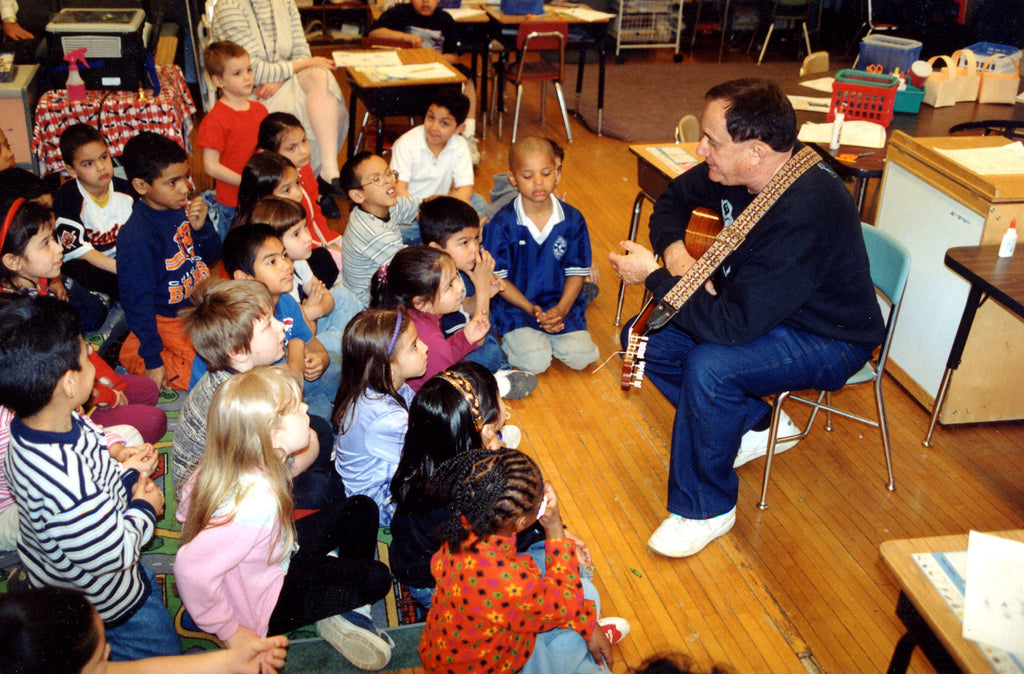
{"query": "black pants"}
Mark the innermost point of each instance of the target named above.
(318, 586)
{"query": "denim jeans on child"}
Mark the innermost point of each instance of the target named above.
(149, 632)
(319, 394)
(331, 328)
(718, 391)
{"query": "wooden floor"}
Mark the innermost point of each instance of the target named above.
(797, 587)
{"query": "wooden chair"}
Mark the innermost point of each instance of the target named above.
(530, 66)
(688, 130)
(890, 265)
(816, 62)
(784, 10)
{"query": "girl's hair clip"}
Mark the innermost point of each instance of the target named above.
(394, 335)
(382, 273)
(9, 218)
(463, 386)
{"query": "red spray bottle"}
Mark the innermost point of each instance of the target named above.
(76, 87)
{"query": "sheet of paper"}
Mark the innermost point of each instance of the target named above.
(820, 84)
(676, 157)
(994, 594)
(1004, 159)
(810, 103)
(376, 57)
(858, 132)
(583, 13)
(465, 13)
(416, 71)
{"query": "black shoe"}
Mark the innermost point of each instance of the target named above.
(332, 188)
(329, 207)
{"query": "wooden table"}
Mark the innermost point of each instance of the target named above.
(596, 32)
(394, 98)
(930, 624)
(653, 174)
(1002, 279)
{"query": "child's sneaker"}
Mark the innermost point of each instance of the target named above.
(615, 629)
(355, 637)
(510, 436)
(474, 151)
(515, 384)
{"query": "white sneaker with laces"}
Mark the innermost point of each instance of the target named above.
(754, 444)
(679, 536)
(363, 646)
(474, 151)
(510, 436)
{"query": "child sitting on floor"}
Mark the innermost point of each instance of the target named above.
(425, 282)
(228, 132)
(381, 353)
(244, 568)
(378, 222)
(165, 250)
(527, 620)
(83, 518)
(541, 250)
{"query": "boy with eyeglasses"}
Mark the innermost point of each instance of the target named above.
(376, 220)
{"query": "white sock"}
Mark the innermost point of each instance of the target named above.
(363, 610)
(470, 130)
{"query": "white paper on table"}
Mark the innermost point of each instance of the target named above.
(810, 103)
(377, 57)
(412, 71)
(583, 13)
(1007, 158)
(994, 592)
(465, 13)
(820, 84)
(859, 132)
(676, 157)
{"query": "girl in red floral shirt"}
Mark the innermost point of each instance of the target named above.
(493, 610)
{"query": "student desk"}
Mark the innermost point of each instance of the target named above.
(119, 115)
(595, 34)
(654, 171)
(394, 98)
(930, 623)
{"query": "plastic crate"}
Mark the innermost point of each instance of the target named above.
(889, 52)
(644, 28)
(982, 50)
(863, 96)
(522, 6)
(909, 100)
(449, 4)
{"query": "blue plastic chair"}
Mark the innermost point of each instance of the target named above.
(890, 265)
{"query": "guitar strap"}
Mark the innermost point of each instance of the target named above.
(730, 238)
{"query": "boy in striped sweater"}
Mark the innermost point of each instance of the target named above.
(83, 518)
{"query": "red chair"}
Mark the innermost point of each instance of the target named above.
(533, 38)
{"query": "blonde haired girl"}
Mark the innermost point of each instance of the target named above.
(245, 569)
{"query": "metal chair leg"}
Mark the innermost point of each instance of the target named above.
(883, 428)
(359, 138)
(565, 113)
(515, 117)
(634, 227)
(767, 38)
(543, 99)
(773, 435)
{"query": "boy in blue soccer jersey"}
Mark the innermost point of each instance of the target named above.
(541, 249)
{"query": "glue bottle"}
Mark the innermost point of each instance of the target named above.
(75, 86)
(1009, 240)
(837, 128)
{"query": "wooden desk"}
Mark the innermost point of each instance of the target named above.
(653, 174)
(394, 98)
(1002, 279)
(930, 624)
(596, 32)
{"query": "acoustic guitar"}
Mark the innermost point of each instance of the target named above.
(701, 231)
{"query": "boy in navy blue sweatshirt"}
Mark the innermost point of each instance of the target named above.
(163, 251)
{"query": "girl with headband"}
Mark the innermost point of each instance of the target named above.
(380, 352)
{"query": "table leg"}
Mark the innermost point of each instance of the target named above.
(919, 634)
(352, 100)
(901, 654)
(579, 78)
(601, 54)
(485, 66)
(379, 145)
(725, 27)
(634, 228)
(956, 352)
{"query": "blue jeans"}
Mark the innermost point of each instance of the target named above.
(149, 632)
(717, 391)
(489, 354)
(319, 394)
(331, 328)
(222, 217)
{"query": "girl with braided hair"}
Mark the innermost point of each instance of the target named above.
(494, 610)
(380, 352)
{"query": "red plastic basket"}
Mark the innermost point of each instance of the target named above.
(863, 95)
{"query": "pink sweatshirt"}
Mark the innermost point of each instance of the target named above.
(227, 575)
(442, 353)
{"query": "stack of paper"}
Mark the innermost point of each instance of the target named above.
(1004, 159)
(858, 132)
(377, 57)
(416, 71)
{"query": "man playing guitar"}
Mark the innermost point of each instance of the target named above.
(791, 307)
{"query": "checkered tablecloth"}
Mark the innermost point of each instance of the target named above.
(119, 115)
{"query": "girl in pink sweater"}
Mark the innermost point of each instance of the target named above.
(245, 569)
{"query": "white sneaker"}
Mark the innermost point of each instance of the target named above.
(754, 444)
(474, 151)
(681, 537)
(364, 647)
(510, 436)
(514, 384)
(615, 629)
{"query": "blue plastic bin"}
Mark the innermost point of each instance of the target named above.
(982, 50)
(522, 6)
(889, 52)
